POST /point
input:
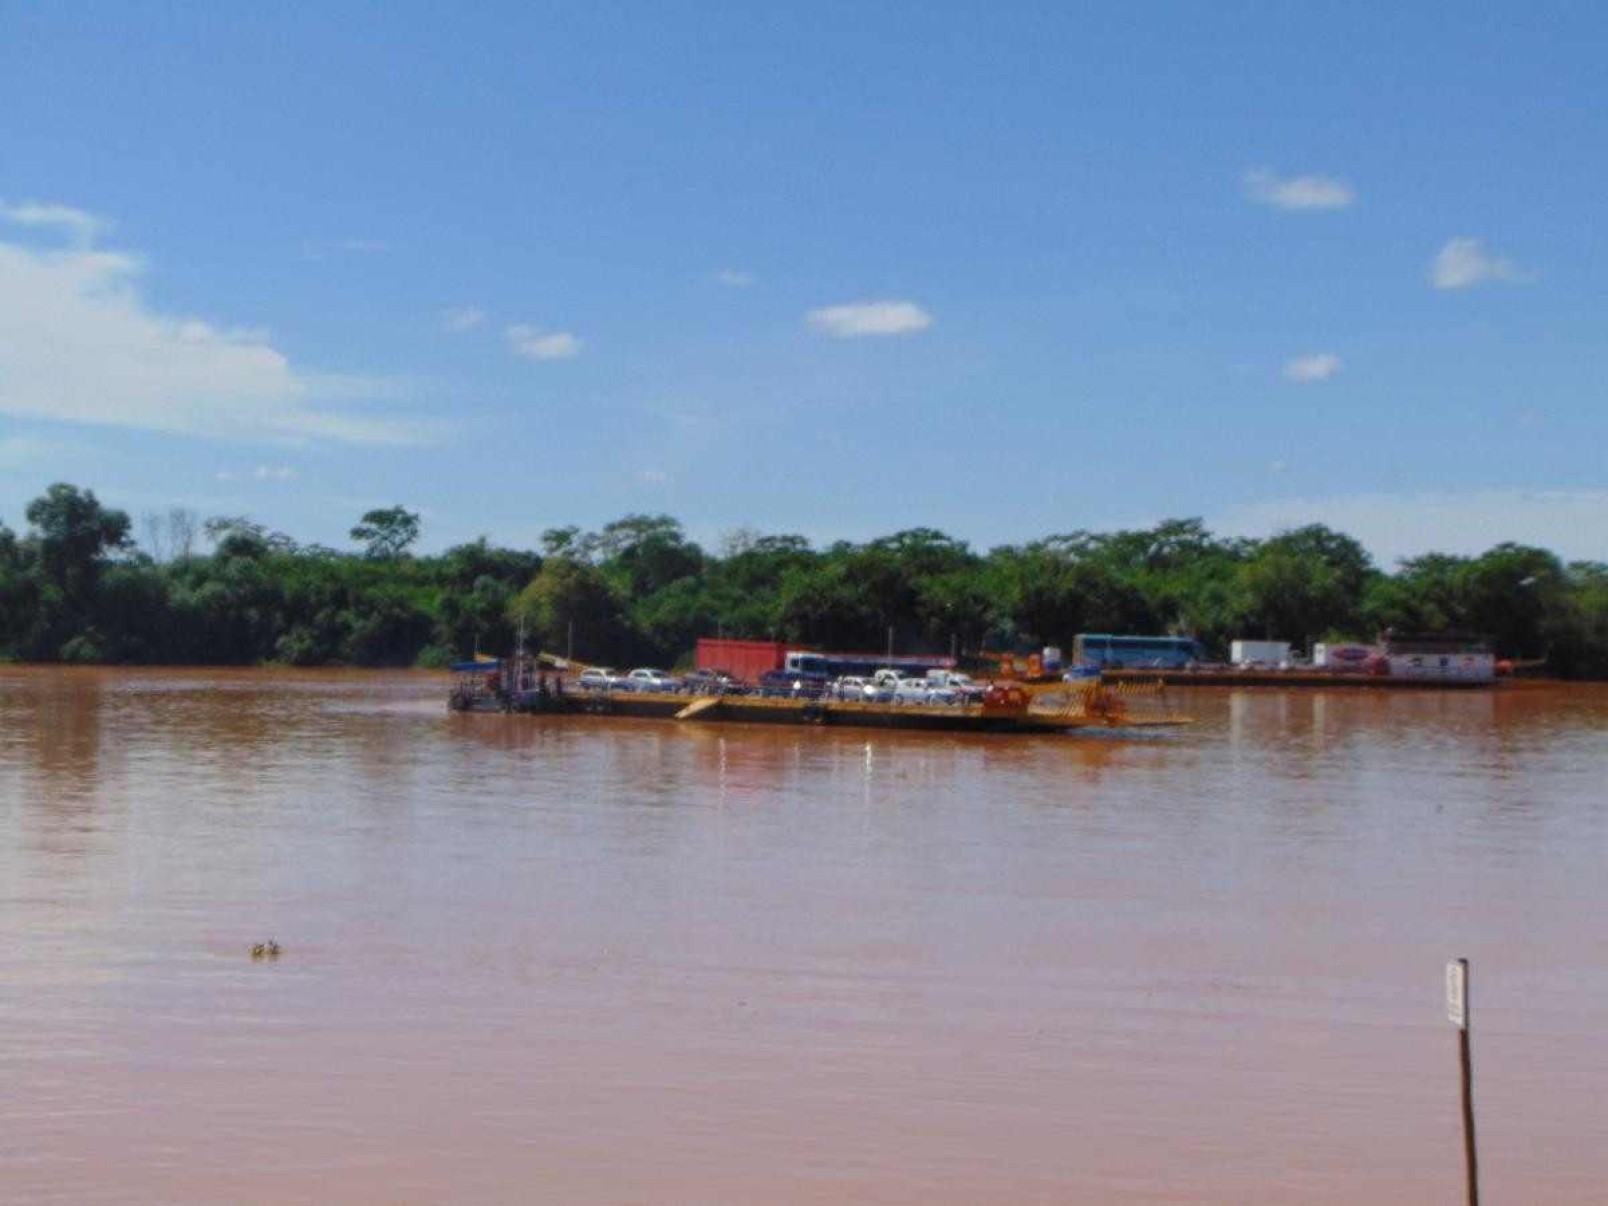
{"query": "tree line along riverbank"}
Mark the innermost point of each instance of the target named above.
(82, 582)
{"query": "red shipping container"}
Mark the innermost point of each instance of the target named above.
(746, 660)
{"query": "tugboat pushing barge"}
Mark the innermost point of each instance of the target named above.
(543, 685)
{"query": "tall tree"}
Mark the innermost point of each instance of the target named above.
(181, 527)
(1305, 583)
(1512, 594)
(386, 533)
(19, 595)
(572, 596)
(75, 534)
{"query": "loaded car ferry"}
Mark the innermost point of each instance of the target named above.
(548, 686)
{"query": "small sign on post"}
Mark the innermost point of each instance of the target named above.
(1457, 993)
(1457, 1014)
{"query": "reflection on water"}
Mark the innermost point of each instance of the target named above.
(594, 960)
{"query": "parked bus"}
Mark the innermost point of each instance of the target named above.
(1137, 652)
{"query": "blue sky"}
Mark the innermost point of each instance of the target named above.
(1004, 270)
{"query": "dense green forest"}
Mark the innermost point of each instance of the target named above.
(76, 586)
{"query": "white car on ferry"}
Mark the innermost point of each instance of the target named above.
(598, 678)
(854, 689)
(646, 678)
(923, 691)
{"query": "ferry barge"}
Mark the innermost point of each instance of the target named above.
(521, 685)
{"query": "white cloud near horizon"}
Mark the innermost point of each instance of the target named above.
(80, 344)
(734, 277)
(1464, 263)
(535, 344)
(457, 319)
(262, 473)
(1298, 192)
(1571, 523)
(1305, 370)
(856, 320)
(80, 226)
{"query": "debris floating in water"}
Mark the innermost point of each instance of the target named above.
(265, 950)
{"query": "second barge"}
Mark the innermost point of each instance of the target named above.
(1229, 676)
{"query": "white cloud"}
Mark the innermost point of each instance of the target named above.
(1572, 523)
(81, 227)
(80, 344)
(735, 278)
(1464, 262)
(262, 473)
(459, 319)
(1304, 370)
(362, 246)
(655, 477)
(853, 320)
(535, 344)
(1298, 192)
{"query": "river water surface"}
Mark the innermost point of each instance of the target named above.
(597, 961)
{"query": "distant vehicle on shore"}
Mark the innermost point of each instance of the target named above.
(1135, 652)
(1259, 654)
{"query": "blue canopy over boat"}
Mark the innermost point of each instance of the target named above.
(477, 667)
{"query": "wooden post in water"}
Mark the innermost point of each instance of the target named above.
(1457, 1012)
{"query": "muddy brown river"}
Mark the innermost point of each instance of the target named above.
(601, 961)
